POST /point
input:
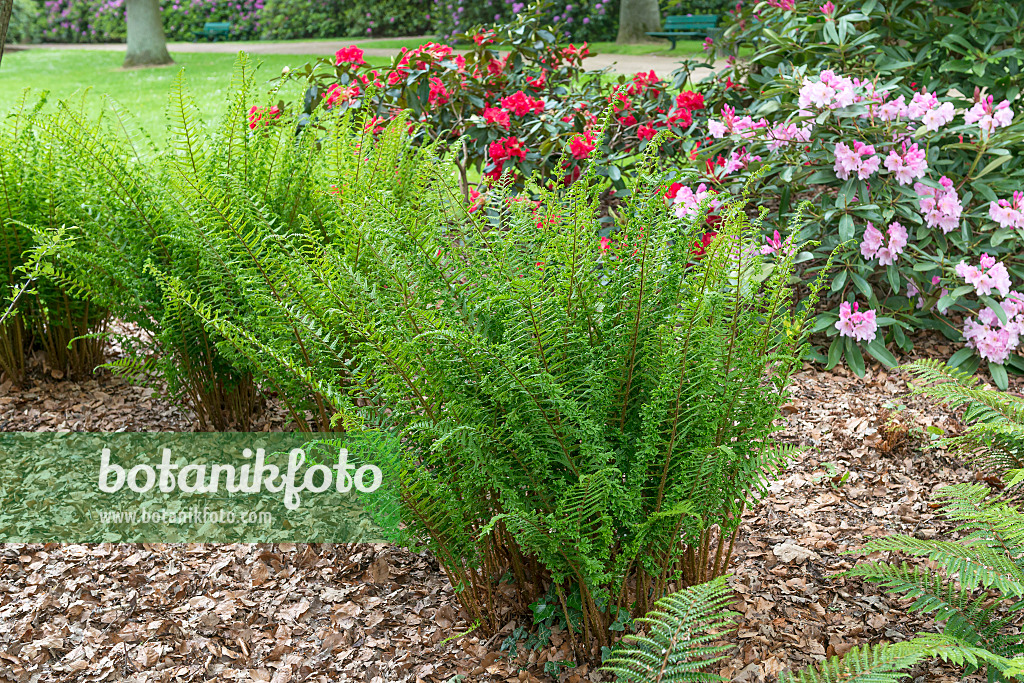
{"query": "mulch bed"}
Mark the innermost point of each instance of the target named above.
(382, 614)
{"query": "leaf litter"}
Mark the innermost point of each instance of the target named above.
(377, 613)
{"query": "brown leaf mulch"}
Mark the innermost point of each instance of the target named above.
(381, 614)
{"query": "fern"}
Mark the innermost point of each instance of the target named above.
(996, 437)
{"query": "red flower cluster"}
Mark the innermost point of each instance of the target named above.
(581, 146)
(642, 82)
(498, 117)
(575, 55)
(503, 150)
(259, 116)
(349, 55)
(438, 93)
(340, 93)
(521, 104)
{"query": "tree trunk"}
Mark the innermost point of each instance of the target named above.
(147, 45)
(636, 18)
(6, 9)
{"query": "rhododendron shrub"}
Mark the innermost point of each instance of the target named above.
(909, 178)
(515, 104)
(911, 182)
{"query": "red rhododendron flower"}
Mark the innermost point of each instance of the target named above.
(641, 82)
(538, 82)
(484, 37)
(506, 148)
(496, 116)
(628, 120)
(690, 100)
(581, 146)
(258, 116)
(645, 132)
(397, 76)
(349, 55)
(575, 54)
(340, 93)
(680, 115)
(521, 104)
(438, 93)
(672, 190)
(700, 247)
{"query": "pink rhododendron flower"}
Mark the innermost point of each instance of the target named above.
(828, 9)
(926, 108)
(855, 324)
(1008, 213)
(744, 125)
(349, 55)
(777, 246)
(990, 337)
(987, 116)
(783, 4)
(828, 92)
(911, 164)
(985, 277)
(739, 160)
(892, 110)
(861, 159)
(941, 207)
(874, 246)
(687, 202)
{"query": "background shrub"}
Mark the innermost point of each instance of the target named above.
(586, 20)
(26, 22)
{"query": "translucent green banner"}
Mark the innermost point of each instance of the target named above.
(195, 488)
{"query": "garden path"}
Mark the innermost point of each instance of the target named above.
(619, 64)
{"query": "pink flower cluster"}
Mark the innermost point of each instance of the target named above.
(781, 134)
(687, 202)
(874, 245)
(853, 323)
(993, 340)
(986, 276)
(924, 107)
(911, 164)
(1008, 213)
(989, 116)
(744, 125)
(941, 207)
(860, 160)
(828, 92)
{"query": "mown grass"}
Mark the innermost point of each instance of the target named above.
(70, 74)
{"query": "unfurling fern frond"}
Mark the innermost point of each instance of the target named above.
(680, 641)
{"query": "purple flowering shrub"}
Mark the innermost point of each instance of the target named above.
(918, 186)
(103, 21)
(577, 20)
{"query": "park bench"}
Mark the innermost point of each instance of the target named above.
(688, 26)
(214, 30)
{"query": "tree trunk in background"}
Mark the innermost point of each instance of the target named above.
(636, 18)
(6, 9)
(147, 45)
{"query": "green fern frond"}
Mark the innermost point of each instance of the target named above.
(678, 644)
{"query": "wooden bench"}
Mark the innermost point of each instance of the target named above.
(214, 30)
(688, 26)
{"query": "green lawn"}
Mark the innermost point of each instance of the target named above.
(142, 91)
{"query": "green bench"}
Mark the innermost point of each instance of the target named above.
(688, 26)
(214, 30)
